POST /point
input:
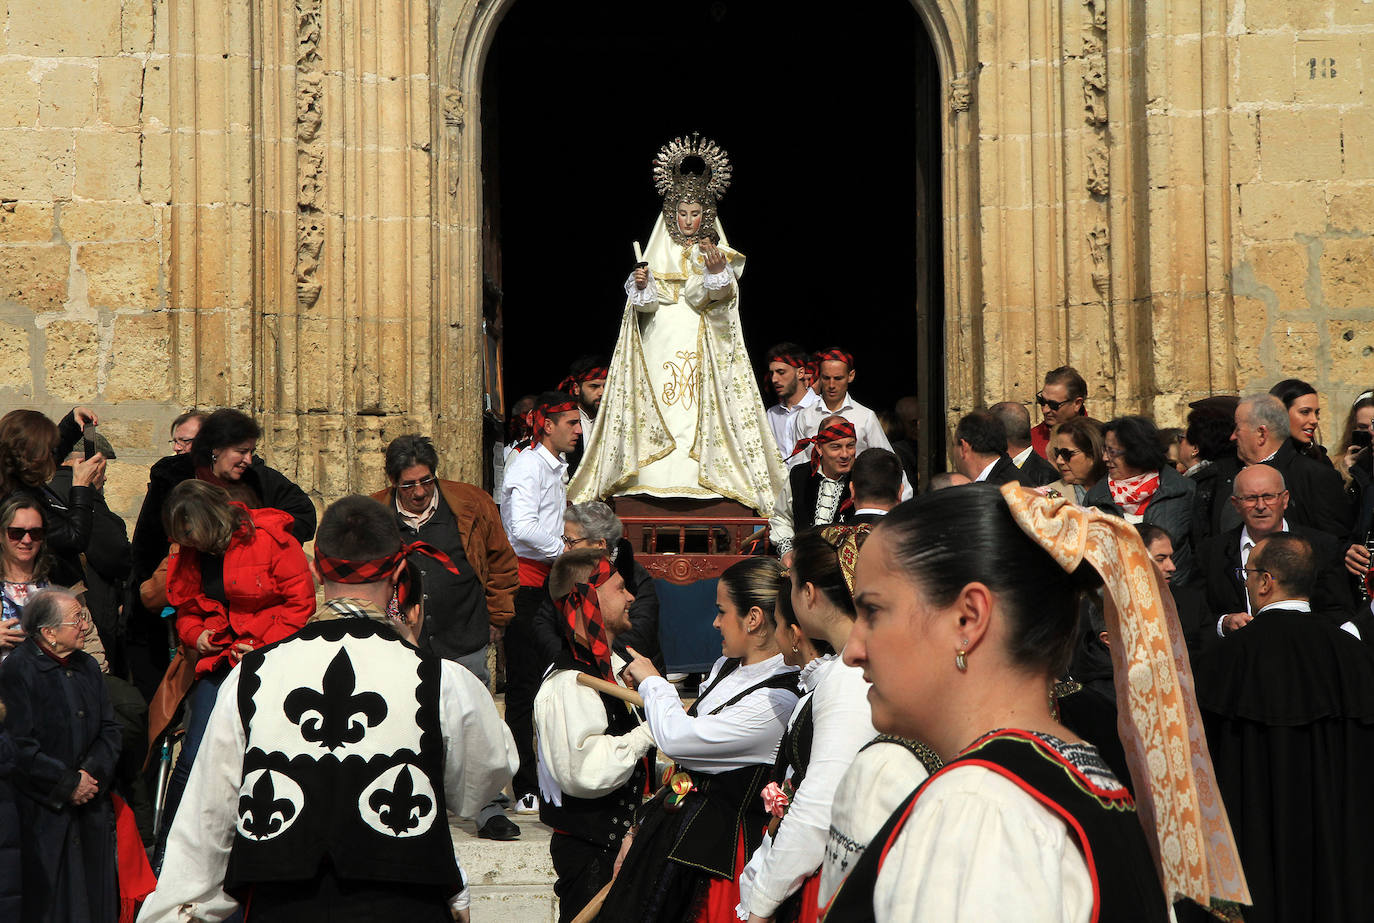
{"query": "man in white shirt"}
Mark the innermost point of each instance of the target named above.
(818, 494)
(786, 375)
(533, 497)
(586, 382)
(592, 746)
(837, 372)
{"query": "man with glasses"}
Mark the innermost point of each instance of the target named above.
(1261, 498)
(465, 611)
(1061, 398)
(184, 430)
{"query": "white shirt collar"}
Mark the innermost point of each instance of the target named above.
(1246, 542)
(870, 510)
(847, 405)
(1019, 458)
(983, 475)
(1293, 605)
(555, 462)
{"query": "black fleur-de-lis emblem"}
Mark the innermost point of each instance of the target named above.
(261, 812)
(400, 809)
(330, 714)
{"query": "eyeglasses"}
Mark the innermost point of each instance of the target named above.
(1242, 571)
(1065, 455)
(17, 534)
(83, 618)
(415, 485)
(571, 542)
(1113, 453)
(1251, 500)
(181, 442)
(1046, 402)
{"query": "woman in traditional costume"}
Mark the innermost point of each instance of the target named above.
(966, 617)
(681, 415)
(828, 728)
(683, 861)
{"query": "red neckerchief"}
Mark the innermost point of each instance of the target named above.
(582, 625)
(1134, 494)
(337, 570)
(841, 430)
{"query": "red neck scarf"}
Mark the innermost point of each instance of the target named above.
(841, 430)
(582, 625)
(337, 570)
(1134, 494)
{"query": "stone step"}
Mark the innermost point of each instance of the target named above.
(511, 882)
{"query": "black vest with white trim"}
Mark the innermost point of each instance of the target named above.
(344, 761)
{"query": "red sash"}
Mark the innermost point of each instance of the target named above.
(533, 573)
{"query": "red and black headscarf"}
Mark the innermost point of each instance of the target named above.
(574, 382)
(840, 429)
(542, 411)
(835, 355)
(338, 570)
(582, 624)
(793, 359)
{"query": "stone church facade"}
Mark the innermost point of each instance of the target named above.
(276, 205)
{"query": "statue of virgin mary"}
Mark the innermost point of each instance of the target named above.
(681, 414)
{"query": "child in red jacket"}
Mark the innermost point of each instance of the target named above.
(239, 580)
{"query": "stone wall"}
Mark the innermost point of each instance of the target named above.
(84, 196)
(1302, 163)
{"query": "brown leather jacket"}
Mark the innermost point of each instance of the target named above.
(484, 543)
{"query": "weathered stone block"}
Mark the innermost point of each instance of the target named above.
(64, 27)
(131, 435)
(25, 222)
(1296, 349)
(1328, 69)
(1347, 272)
(36, 165)
(107, 165)
(1352, 351)
(16, 375)
(35, 275)
(140, 367)
(18, 95)
(1273, 211)
(1352, 208)
(66, 97)
(108, 221)
(1264, 68)
(1357, 131)
(119, 91)
(136, 26)
(156, 97)
(121, 275)
(1251, 331)
(71, 360)
(1263, 15)
(1300, 145)
(1283, 268)
(126, 483)
(156, 173)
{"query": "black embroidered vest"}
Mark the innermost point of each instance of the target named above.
(806, 490)
(1102, 822)
(344, 761)
(601, 821)
(795, 748)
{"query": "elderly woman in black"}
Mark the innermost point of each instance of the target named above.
(1142, 486)
(67, 739)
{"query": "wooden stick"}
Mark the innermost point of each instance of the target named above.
(612, 689)
(593, 907)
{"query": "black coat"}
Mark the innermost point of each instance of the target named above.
(67, 519)
(1220, 556)
(1171, 509)
(61, 720)
(11, 869)
(108, 560)
(1004, 472)
(1316, 493)
(1036, 472)
(273, 488)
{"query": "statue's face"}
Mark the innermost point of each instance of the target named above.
(689, 218)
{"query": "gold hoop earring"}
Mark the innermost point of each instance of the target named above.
(796, 649)
(961, 656)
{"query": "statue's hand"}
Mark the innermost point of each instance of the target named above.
(715, 260)
(641, 278)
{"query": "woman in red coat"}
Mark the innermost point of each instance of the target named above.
(238, 581)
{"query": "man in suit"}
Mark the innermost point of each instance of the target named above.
(815, 494)
(1317, 496)
(875, 483)
(980, 451)
(1034, 470)
(1261, 498)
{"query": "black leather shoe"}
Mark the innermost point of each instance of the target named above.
(499, 827)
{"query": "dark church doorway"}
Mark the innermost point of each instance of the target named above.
(833, 124)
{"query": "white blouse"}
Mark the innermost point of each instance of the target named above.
(842, 724)
(745, 734)
(576, 755)
(878, 780)
(979, 848)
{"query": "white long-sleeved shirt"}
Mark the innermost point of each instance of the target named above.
(479, 759)
(780, 421)
(534, 495)
(841, 725)
(745, 734)
(575, 752)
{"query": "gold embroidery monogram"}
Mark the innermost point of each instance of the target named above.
(683, 386)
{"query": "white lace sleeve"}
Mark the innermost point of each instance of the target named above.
(644, 299)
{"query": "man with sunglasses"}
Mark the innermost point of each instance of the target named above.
(465, 610)
(1061, 398)
(1260, 497)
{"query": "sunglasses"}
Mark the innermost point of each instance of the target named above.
(1046, 402)
(1065, 455)
(17, 534)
